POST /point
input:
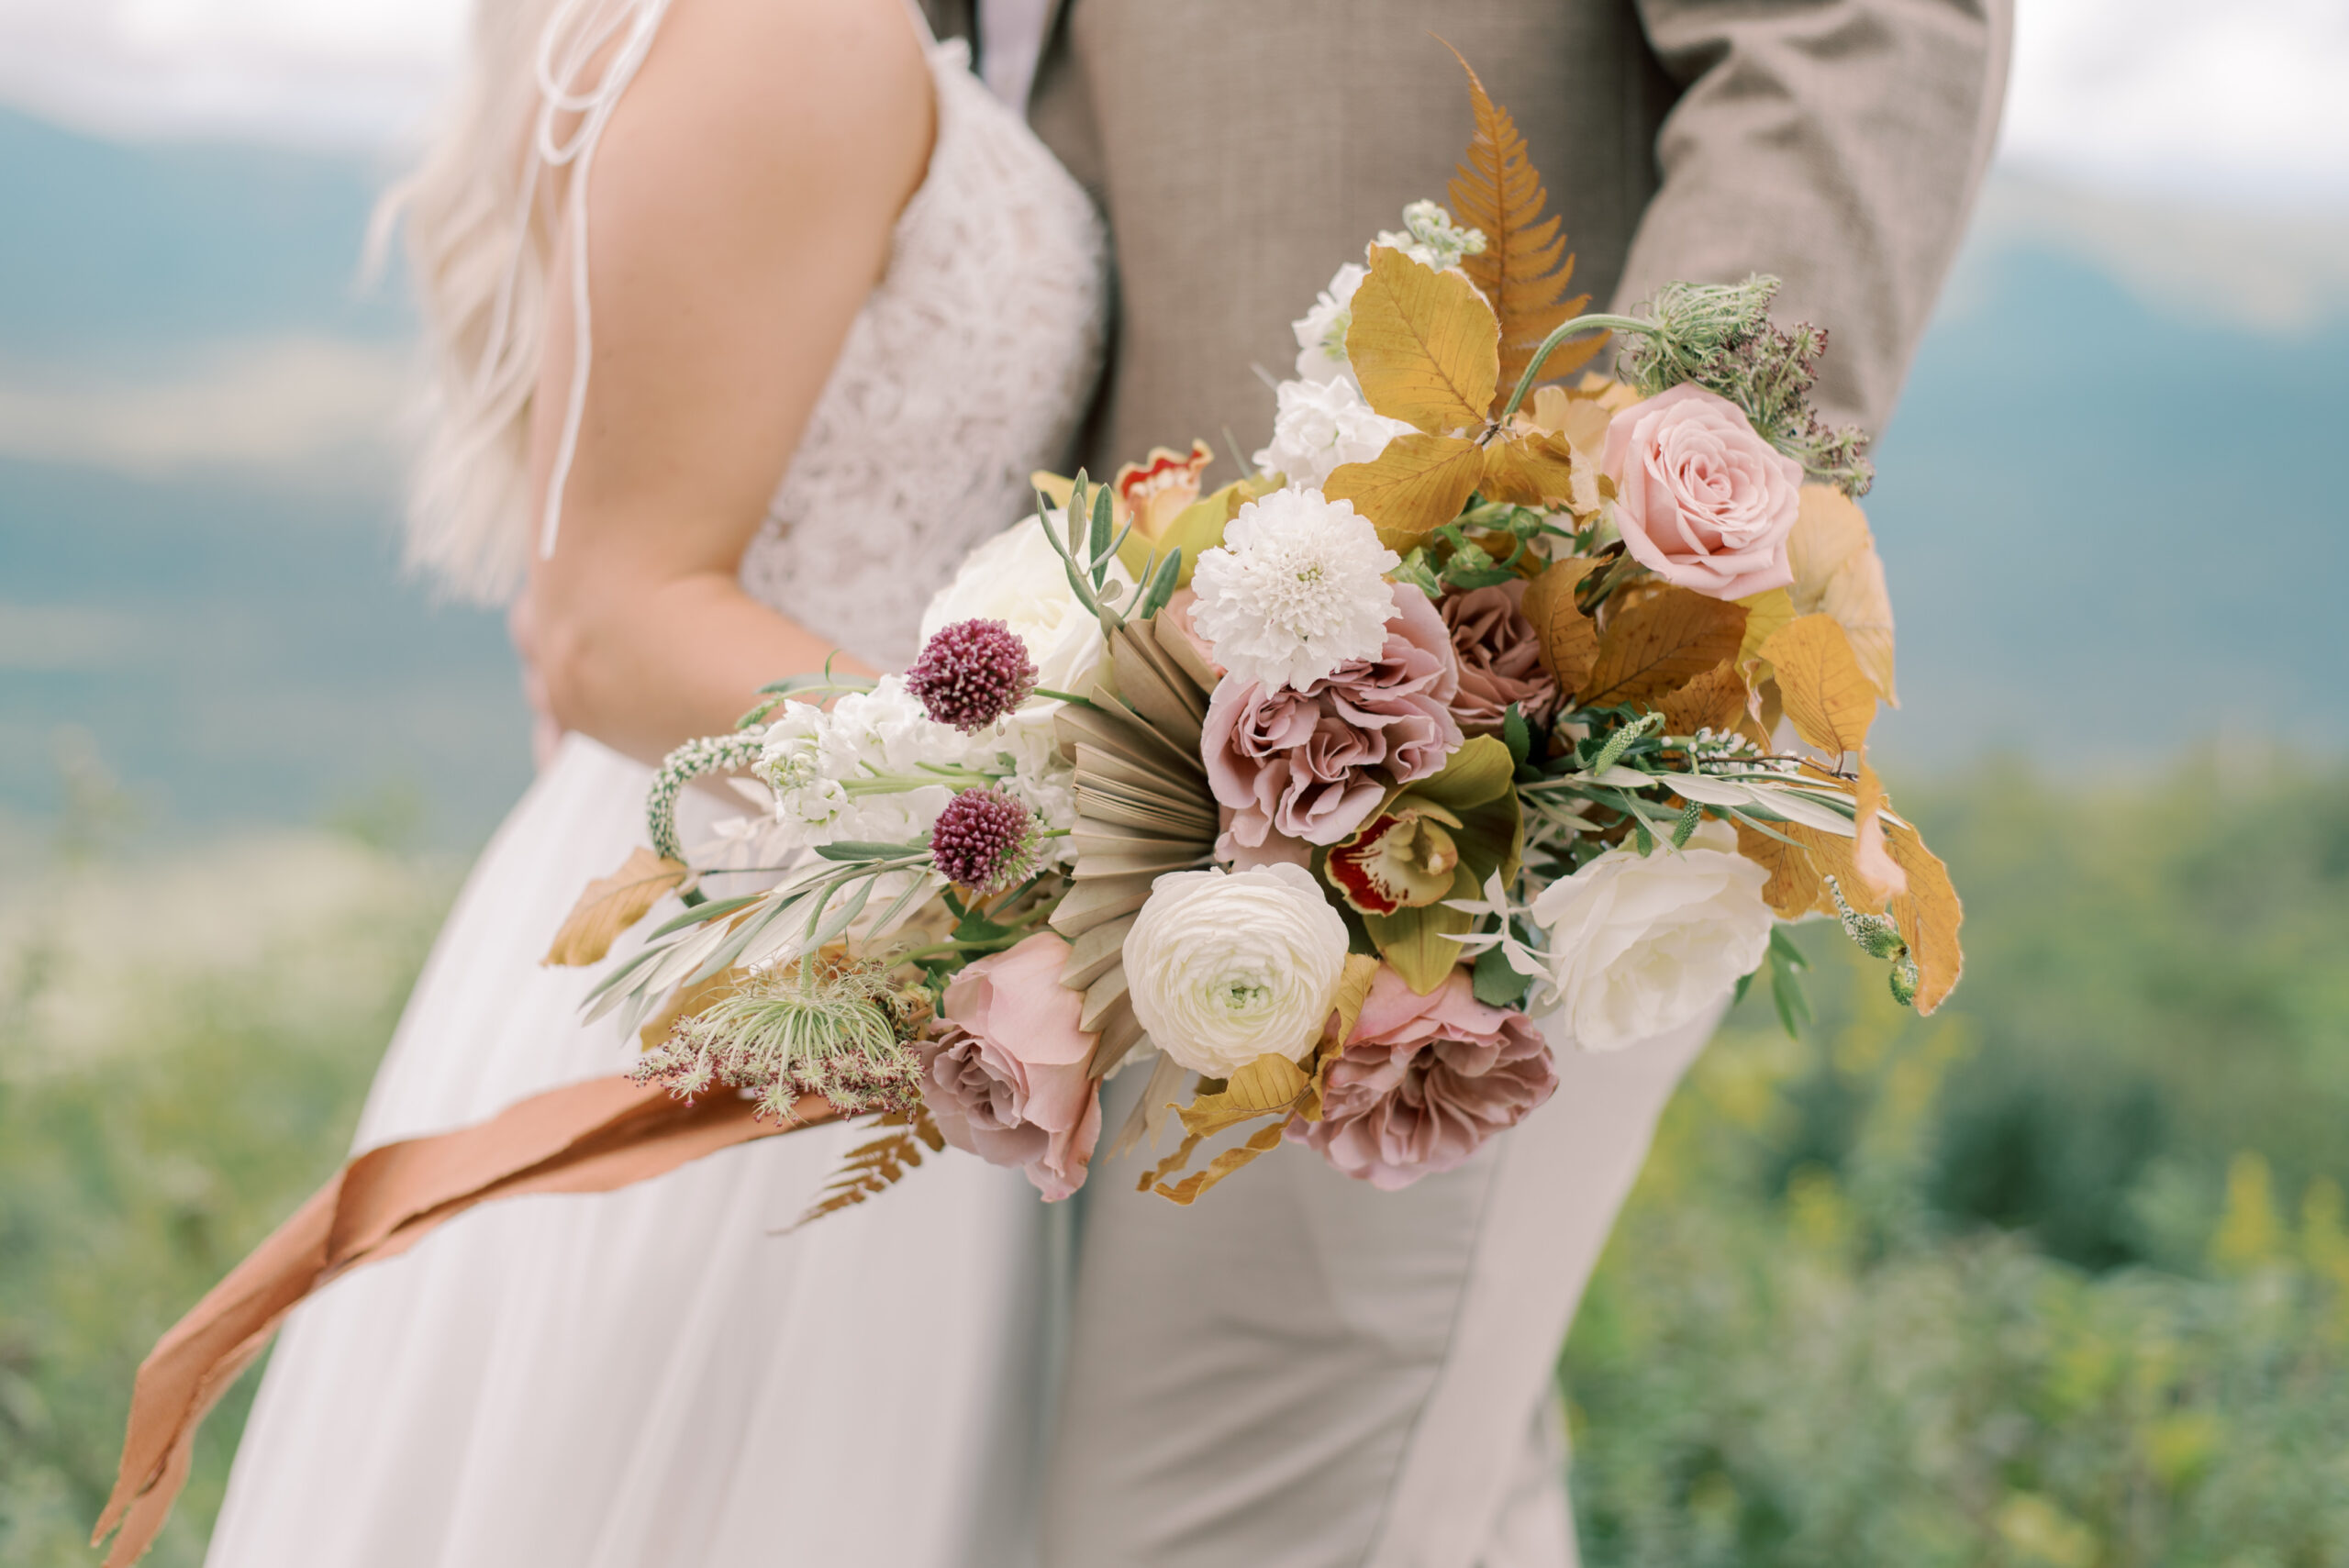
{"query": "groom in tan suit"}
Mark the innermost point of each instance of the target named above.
(1302, 1371)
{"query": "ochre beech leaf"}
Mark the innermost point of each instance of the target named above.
(1828, 698)
(1523, 268)
(706, 991)
(1423, 344)
(1714, 700)
(1530, 468)
(1928, 916)
(1567, 638)
(1419, 482)
(1187, 1191)
(1269, 1086)
(1838, 574)
(1794, 888)
(1660, 644)
(611, 906)
(1882, 875)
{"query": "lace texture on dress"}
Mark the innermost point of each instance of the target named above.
(969, 367)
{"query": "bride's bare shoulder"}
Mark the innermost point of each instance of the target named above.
(821, 101)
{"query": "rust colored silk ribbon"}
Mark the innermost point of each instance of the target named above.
(583, 1138)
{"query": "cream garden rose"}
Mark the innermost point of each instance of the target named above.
(1641, 944)
(1225, 967)
(1019, 578)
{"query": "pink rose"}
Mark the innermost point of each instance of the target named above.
(1702, 499)
(1003, 1071)
(1314, 763)
(1500, 659)
(1424, 1080)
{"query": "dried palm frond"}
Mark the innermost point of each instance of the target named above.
(1142, 810)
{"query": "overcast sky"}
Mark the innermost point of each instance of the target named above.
(2244, 100)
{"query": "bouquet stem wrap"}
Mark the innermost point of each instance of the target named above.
(592, 1137)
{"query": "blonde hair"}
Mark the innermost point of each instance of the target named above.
(478, 218)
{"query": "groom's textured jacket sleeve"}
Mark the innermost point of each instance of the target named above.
(1836, 143)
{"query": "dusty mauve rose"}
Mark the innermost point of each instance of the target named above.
(1003, 1071)
(1500, 659)
(1424, 1080)
(1314, 763)
(1703, 501)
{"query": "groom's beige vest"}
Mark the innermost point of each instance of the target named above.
(1243, 149)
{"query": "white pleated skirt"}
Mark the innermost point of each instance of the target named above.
(657, 1377)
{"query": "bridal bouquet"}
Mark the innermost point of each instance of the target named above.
(1478, 703)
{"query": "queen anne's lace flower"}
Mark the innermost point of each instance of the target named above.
(1318, 426)
(1296, 589)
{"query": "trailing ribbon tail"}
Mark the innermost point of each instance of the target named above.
(582, 1138)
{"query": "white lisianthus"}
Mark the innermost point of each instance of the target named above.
(1018, 578)
(1643, 944)
(1225, 967)
(1296, 589)
(811, 758)
(1322, 331)
(1319, 426)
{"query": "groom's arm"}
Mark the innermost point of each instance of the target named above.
(1836, 143)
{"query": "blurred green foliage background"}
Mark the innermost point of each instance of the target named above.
(2059, 1276)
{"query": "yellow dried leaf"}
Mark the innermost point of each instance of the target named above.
(1794, 889)
(1524, 268)
(1714, 700)
(1660, 644)
(1270, 1086)
(1353, 991)
(1830, 699)
(1838, 574)
(1765, 615)
(1419, 482)
(1928, 916)
(1423, 345)
(1530, 468)
(611, 905)
(1568, 638)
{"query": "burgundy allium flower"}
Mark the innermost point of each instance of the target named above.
(971, 673)
(984, 839)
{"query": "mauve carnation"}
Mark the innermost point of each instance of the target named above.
(1702, 500)
(1423, 1080)
(1003, 1070)
(1314, 763)
(1500, 659)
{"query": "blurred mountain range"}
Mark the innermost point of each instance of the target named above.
(2108, 506)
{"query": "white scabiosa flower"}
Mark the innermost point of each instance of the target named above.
(1322, 331)
(1296, 589)
(1316, 426)
(1227, 966)
(1645, 943)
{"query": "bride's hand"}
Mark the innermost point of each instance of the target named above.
(741, 206)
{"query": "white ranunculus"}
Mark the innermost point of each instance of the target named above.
(1018, 578)
(1225, 967)
(1643, 944)
(1322, 331)
(1319, 426)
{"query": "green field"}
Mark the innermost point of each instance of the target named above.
(2059, 1276)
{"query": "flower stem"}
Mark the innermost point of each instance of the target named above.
(1574, 327)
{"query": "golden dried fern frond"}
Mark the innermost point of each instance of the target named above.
(872, 1169)
(1524, 267)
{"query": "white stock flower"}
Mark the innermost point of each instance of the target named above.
(1322, 331)
(1039, 775)
(1018, 578)
(1643, 944)
(1225, 967)
(810, 757)
(1318, 426)
(1296, 589)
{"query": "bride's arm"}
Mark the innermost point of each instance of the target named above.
(741, 210)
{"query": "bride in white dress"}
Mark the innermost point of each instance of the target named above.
(844, 303)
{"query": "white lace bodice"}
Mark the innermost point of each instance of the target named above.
(968, 368)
